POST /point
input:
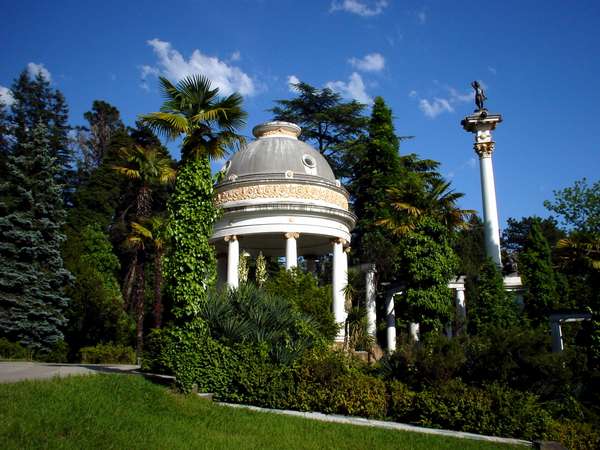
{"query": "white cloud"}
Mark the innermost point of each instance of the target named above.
(471, 162)
(422, 17)
(492, 70)
(291, 81)
(6, 96)
(34, 69)
(359, 7)
(173, 65)
(354, 88)
(435, 107)
(373, 62)
(438, 105)
(235, 56)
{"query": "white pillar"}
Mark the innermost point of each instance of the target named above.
(233, 261)
(557, 339)
(391, 323)
(370, 289)
(413, 330)
(481, 124)
(491, 228)
(339, 281)
(461, 310)
(291, 251)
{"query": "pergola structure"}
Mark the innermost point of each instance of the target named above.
(280, 197)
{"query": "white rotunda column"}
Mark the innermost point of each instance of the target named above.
(340, 281)
(461, 309)
(233, 261)
(370, 289)
(291, 250)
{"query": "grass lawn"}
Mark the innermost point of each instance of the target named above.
(127, 412)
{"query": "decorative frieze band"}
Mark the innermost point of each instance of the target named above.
(281, 191)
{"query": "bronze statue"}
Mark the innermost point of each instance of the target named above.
(479, 96)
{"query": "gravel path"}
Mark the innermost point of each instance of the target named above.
(12, 371)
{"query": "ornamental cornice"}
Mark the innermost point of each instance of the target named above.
(484, 149)
(282, 191)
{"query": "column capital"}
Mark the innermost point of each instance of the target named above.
(292, 235)
(484, 149)
(347, 249)
(339, 241)
(231, 237)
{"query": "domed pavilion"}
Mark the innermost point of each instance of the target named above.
(280, 197)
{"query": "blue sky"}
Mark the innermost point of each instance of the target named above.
(538, 60)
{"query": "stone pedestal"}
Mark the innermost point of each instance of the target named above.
(481, 124)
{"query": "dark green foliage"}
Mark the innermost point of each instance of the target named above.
(94, 141)
(470, 249)
(327, 122)
(13, 350)
(578, 206)
(32, 276)
(376, 168)
(302, 291)
(252, 316)
(488, 303)
(96, 313)
(427, 263)
(37, 102)
(516, 233)
(535, 264)
(107, 354)
(190, 266)
(495, 410)
(574, 435)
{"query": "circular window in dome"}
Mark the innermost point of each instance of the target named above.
(309, 161)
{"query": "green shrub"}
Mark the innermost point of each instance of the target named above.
(301, 289)
(495, 410)
(401, 402)
(107, 354)
(57, 354)
(13, 350)
(332, 382)
(575, 435)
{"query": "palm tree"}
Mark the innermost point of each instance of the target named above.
(194, 110)
(580, 250)
(148, 166)
(411, 202)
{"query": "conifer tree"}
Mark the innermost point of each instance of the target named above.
(32, 276)
(37, 102)
(535, 264)
(489, 305)
(375, 169)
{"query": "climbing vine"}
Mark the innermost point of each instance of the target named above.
(190, 267)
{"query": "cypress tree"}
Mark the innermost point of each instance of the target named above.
(488, 304)
(32, 276)
(535, 264)
(375, 168)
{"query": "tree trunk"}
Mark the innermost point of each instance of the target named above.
(144, 202)
(139, 305)
(158, 279)
(129, 284)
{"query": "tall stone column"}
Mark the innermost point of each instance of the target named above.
(233, 261)
(481, 124)
(340, 281)
(291, 250)
(390, 323)
(370, 289)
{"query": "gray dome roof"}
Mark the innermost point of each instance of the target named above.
(277, 151)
